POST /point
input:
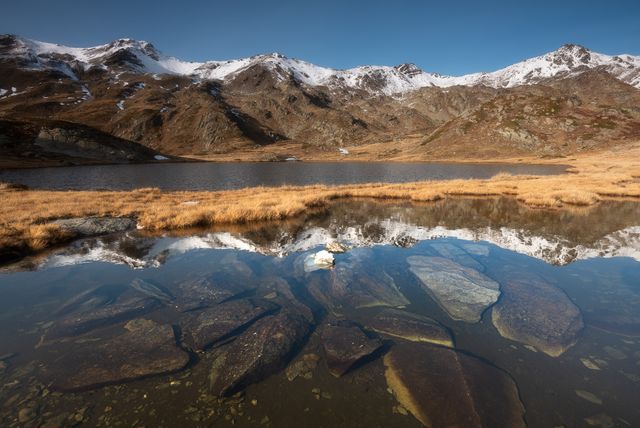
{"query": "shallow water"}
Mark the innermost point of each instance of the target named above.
(221, 176)
(592, 257)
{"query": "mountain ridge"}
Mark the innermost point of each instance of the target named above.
(566, 60)
(560, 103)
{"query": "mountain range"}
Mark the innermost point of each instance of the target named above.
(560, 103)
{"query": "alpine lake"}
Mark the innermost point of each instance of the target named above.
(461, 312)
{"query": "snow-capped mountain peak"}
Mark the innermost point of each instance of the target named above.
(142, 57)
(566, 61)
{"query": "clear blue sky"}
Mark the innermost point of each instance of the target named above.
(449, 37)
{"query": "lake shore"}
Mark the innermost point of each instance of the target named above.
(26, 215)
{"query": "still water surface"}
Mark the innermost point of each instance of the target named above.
(64, 315)
(219, 176)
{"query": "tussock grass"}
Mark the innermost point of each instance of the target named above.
(25, 215)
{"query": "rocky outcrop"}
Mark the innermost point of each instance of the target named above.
(445, 388)
(92, 226)
(462, 292)
(65, 142)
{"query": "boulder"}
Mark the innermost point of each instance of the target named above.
(263, 349)
(139, 349)
(345, 345)
(463, 292)
(410, 326)
(536, 313)
(445, 388)
(206, 327)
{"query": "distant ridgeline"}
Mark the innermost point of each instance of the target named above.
(563, 102)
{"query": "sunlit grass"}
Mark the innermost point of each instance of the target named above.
(25, 215)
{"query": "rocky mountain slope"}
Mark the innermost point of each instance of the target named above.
(562, 102)
(41, 142)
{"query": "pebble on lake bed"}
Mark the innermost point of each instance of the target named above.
(590, 397)
(589, 364)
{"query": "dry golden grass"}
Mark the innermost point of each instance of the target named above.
(25, 214)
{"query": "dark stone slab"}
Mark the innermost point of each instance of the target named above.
(200, 293)
(208, 326)
(125, 308)
(463, 292)
(139, 349)
(445, 388)
(345, 345)
(410, 326)
(263, 349)
(534, 312)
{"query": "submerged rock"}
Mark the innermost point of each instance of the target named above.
(286, 297)
(214, 324)
(90, 299)
(476, 249)
(345, 345)
(464, 293)
(590, 397)
(91, 226)
(125, 308)
(151, 290)
(263, 349)
(457, 254)
(410, 326)
(142, 348)
(617, 312)
(353, 283)
(303, 367)
(445, 388)
(201, 293)
(536, 313)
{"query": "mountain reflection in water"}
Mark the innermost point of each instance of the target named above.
(556, 236)
(472, 312)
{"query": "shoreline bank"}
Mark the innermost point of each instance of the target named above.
(26, 215)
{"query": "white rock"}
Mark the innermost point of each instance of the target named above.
(323, 258)
(320, 260)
